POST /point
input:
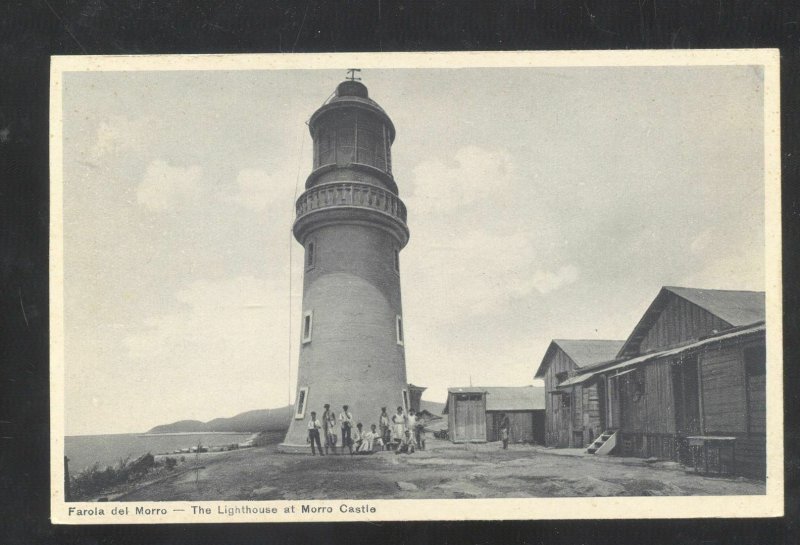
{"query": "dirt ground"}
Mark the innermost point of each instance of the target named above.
(443, 471)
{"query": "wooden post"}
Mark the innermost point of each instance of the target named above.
(67, 494)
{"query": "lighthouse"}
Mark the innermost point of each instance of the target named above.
(352, 226)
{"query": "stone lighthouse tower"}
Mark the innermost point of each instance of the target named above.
(352, 225)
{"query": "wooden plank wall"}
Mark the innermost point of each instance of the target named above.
(653, 411)
(731, 406)
(522, 426)
(557, 418)
(679, 322)
(724, 399)
(734, 406)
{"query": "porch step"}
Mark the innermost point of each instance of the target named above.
(604, 444)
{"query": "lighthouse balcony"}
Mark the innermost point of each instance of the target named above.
(351, 194)
(337, 201)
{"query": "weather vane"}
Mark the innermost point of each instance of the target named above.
(351, 74)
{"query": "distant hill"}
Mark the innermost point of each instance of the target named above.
(433, 407)
(255, 421)
(250, 421)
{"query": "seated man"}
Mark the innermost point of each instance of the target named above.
(368, 439)
(407, 444)
(357, 438)
(376, 443)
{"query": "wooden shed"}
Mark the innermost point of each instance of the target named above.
(694, 368)
(474, 413)
(573, 416)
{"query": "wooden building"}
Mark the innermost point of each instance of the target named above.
(474, 413)
(692, 370)
(415, 396)
(573, 416)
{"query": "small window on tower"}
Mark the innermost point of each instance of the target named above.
(307, 324)
(310, 255)
(300, 409)
(396, 260)
(399, 324)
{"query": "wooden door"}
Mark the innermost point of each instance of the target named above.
(470, 418)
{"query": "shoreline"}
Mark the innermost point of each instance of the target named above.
(177, 433)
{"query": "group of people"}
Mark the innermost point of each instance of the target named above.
(401, 432)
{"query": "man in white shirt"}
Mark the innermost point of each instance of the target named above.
(346, 419)
(314, 426)
(411, 420)
(358, 437)
(407, 444)
(329, 426)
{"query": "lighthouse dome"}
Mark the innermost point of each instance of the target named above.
(350, 88)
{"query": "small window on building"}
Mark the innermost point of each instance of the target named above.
(755, 361)
(399, 328)
(396, 260)
(405, 400)
(300, 408)
(310, 255)
(566, 400)
(308, 319)
(562, 376)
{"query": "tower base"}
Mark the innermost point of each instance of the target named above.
(290, 448)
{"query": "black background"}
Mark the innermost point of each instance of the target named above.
(32, 30)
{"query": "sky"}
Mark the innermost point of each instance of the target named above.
(542, 203)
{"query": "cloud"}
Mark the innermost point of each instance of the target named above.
(163, 185)
(258, 190)
(118, 134)
(701, 242)
(547, 281)
(473, 175)
(224, 340)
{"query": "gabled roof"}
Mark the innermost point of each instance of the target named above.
(505, 398)
(736, 308)
(582, 352)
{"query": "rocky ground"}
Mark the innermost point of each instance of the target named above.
(443, 471)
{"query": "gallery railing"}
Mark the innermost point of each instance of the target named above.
(351, 194)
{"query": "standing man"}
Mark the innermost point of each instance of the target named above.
(313, 434)
(386, 429)
(329, 426)
(504, 426)
(411, 423)
(346, 418)
(419, 431)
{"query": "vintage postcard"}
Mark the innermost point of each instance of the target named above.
(416, 286)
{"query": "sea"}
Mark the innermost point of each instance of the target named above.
(107, 450)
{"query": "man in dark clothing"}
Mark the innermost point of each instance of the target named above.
(504, 426)
(313, 434)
